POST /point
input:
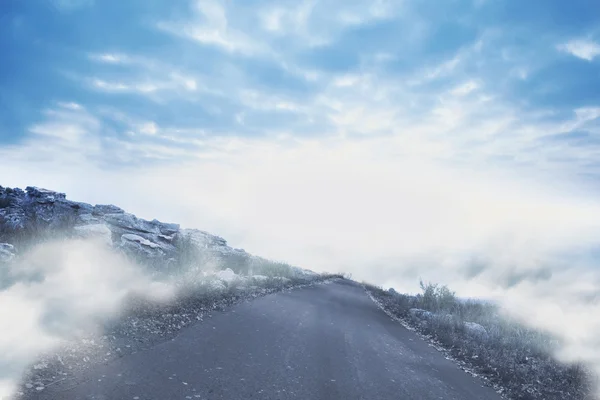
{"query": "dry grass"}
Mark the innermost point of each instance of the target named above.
(516, 359)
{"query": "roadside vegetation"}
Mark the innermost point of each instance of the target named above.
(514, 359)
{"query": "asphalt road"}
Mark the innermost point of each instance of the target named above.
(321, 342)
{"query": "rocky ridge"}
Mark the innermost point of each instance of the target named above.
(34, 213)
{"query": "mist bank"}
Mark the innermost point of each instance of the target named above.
(81, 284)
(523, 237)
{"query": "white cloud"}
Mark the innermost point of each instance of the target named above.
(439, 71)
(272, 19)
(110, 86)
(210, 26)
(68, 124)
(111, 58)
(346, 80)
(379, 9)
(70, 105)
(465, 88)
(255, 100)
(581, 48)
(583, 115)
(149, 128)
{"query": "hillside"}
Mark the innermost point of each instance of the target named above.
(94, 283)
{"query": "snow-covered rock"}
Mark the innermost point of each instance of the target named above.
(141, 247)
(138, 239)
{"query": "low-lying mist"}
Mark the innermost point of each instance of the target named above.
(529, 242)
(524, 238)
(58, 291)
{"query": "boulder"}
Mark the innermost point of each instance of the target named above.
(43, 196)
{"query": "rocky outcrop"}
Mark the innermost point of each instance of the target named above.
(38, 214)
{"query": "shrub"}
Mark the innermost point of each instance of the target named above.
(517, 358)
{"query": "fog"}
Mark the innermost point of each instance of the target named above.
(524, 239)
(58, 292)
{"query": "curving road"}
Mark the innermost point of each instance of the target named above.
(321, 342)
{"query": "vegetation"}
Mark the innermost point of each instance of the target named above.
(515, 359)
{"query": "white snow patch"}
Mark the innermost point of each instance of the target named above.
(138, 239)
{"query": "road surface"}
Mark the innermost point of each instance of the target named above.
(321, 342)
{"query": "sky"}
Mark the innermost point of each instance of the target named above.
(455, 141)
(327, 133)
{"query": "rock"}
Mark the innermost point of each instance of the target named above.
(204, 239)
(88, 218)
(140, 240)
(475, 330)
(130, 222)
(166, 229)
(44, 196)
(101, 209)
(393, 292)
(167, 238)
(95, 231)
(420, 314)
(43, 212)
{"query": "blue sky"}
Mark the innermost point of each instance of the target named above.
(300, 129)
(165, 76)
